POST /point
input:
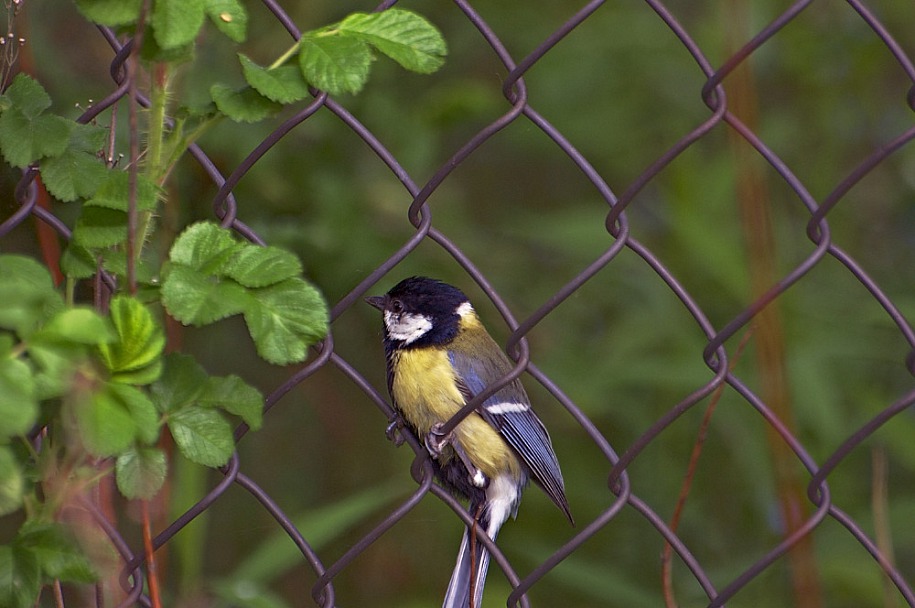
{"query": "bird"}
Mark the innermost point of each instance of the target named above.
(438, 357)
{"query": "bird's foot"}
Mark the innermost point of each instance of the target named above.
(435, 444)
(393, 432)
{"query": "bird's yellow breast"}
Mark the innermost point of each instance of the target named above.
(425, 390)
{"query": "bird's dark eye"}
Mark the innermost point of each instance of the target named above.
(396, 306)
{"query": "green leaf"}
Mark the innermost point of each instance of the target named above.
(110, 12)
(194, 298)
(77, 261)
(235, 396)
(20, 577)
(72, 174)
(244, 105)
(177, 22)
(27, 294)
(283, 84)
(28, 96)
(56, 551)
(24, 140)
(181, 383)
(114, 192)
(230, 18)
(104, 424)
(334, 62)
(18, 403)
(136, 356)
(202, 435)
(80, 325)
(153, 52)
(285, 319)
(256, 266)
(140, 472)
(11, 482)
(56, 362)
(204, 246)
(402, 35)
(99, 227)
(141, 410)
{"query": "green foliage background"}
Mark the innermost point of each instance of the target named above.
(623, 90)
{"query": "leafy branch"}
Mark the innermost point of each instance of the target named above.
(87, 393)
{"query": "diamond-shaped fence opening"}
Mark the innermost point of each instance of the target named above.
(690, 223)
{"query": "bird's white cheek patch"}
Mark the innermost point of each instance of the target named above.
(500, 409)
(464, 309)
(406, 327)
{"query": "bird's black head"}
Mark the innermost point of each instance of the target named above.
(421, 312)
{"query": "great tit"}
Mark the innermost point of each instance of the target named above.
(439, 356)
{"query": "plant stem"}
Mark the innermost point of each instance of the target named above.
(285, 56)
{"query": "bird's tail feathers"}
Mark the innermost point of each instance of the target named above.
(469, 574)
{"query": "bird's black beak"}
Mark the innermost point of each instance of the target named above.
(376, 301)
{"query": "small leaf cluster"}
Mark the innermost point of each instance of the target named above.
(175, 24)
(41, 553)
(336, 58)
(212, 275)
(66, 149)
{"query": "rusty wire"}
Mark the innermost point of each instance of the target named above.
(715, 354)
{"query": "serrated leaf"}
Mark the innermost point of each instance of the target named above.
(204, 246)
(229, 17)
(235, 396)
(140, 472)
(202, 435)
(195, 298)
(285, 319)
(114, 192)
(105, 426)
(24, 140)
(78, 262)
(11, 482)
(99, 227)
(141, 410)
(88, 137)
(402, 35)
(256, 266)
(80, 325)
(18, 403)
(177, 22)
(334, 62)
(26, 94)
(181, 383)
(244, 105)
(283, 84)
(140, 340)
(73, 174)
(110, 12)
(20, 577)
(57, 552)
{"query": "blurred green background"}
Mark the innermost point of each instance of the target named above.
(622, 88)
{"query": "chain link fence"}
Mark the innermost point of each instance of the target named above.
(804, 504)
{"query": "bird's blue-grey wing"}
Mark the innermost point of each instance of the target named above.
(509, 412)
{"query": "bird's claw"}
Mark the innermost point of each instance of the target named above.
(436, 441)
(392, 432)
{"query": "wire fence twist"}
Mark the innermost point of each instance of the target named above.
(716, 354)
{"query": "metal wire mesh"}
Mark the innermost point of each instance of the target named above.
(719, 346)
